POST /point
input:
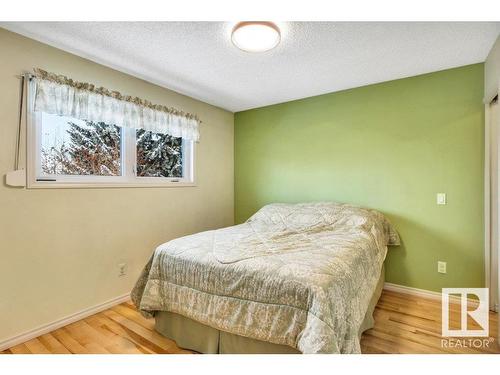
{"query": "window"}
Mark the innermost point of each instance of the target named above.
(67, 152)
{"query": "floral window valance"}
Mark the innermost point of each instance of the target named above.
(57, 94)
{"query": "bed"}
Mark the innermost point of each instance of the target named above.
(294, 278)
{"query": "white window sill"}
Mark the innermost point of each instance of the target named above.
(86, 185)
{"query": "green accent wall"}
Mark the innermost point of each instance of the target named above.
(390, 146)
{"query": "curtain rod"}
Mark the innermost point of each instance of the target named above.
(25, 75)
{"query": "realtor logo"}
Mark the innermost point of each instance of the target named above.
(473, 321)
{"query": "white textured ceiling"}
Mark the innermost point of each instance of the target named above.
(198, 59)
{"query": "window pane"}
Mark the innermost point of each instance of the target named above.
(75, 147)
(158, 155)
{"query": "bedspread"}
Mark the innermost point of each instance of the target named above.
(293, 274)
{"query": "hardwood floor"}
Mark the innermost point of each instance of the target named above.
(403, 324)
(409, 324)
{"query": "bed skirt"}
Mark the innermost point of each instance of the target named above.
(192, 335)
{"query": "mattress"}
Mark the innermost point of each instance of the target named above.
(297, 275)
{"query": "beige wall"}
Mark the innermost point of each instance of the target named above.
(59, 248)
(492, 72)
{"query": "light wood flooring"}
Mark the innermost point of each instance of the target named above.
(403, 324)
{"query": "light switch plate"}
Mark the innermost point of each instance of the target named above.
(441, 267)
(441, 198)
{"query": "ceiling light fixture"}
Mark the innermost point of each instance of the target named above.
(256, 36)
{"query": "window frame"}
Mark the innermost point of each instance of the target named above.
(128, 153)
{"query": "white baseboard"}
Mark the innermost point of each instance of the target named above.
(41, 330)
(424, 293)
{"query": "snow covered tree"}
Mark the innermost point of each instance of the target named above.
(158, 155)
(51, 160)
(93, 148)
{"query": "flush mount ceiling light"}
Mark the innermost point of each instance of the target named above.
(256, 36)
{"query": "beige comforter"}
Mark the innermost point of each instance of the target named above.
(294, 274)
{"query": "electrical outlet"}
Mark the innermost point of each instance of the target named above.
(441, 267)
(122, 269)
(441, 198)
